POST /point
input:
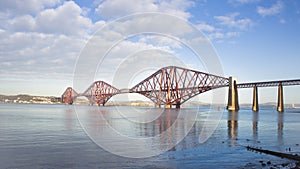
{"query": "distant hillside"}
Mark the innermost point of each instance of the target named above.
(22, 98)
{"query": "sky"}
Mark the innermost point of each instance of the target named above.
(41, 41)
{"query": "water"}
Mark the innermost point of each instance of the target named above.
(50, 136)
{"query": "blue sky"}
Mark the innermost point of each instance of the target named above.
(256, 40)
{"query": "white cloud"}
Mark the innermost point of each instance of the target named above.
(98, 25)
(125, 38)
(231, 21)
(126, 74)
(273, 10)
(65, 19)
(216, 35)
(118, 8)
(176, 7)
(160, 23)
(5, 63)
(44, 39)
(37, 53)
(20, 7)
(205, 27)
(48, 40)
(160, 40)
(23, 23)
(232, 34)
(220, 35)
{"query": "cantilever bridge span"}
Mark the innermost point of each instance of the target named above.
(172, 86)
(169, 86)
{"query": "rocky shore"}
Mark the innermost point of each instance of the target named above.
(294, 164)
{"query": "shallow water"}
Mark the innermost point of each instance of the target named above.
(51, 136)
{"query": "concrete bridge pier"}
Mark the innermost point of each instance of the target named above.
(255, 99)
(233, 102)
(103, 104)
(168, 106)
(280, 107)
(178, 105)
(157, 106)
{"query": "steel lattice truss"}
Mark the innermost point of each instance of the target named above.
(174, 85)
(100, 92)
(168, 86)
(69, 95)
(270, 83)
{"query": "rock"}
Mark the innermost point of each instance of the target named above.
(269, 162)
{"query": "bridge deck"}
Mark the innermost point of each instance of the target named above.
(269, 83)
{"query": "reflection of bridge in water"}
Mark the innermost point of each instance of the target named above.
(172, 86)
(233, 128)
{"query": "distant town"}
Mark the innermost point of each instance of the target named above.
(27, 99)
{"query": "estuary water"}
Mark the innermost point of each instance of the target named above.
(52, 136)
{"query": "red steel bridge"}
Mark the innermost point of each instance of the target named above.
(172, 86)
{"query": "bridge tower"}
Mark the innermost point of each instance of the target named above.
(280, 107)
(255, 99)
(233, 102)
(69, 96)
(100, 92)
(173, 86)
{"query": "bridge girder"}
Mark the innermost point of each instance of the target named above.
(69, 95)
(175, 85)
(100, 92)
(168, 86)
(270, 83)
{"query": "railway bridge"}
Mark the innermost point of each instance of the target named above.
(172, 86)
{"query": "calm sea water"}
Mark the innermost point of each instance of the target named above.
(50, 136)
